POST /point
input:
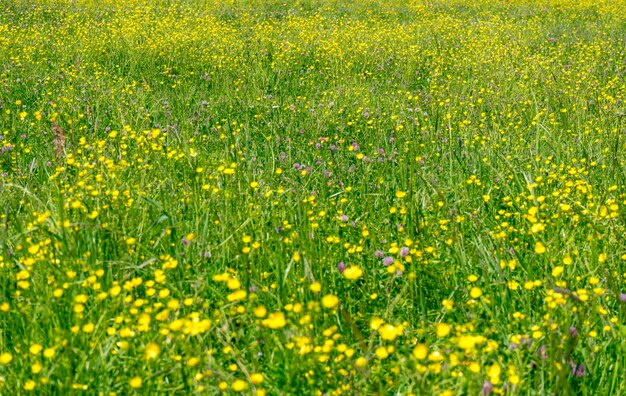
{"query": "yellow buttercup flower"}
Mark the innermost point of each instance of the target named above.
(353, 272)
(136, 382)
(275, 320)
(6, 358)
(330, 301)
(540, 248)
(420, 351)
(152, 350)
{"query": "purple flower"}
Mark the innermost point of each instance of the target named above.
(573, 332)
(487, 387)
(387, 261)
(379, 254)
(404, 251)
(341, 266)
(622, 297)
(207, 254)
(542, 353)
(185, 242)
(578, 370)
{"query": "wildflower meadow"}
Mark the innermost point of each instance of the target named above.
(313, 197)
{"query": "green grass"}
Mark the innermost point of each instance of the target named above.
(182, 183)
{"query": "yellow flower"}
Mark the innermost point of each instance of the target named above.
(239, 385)
(29, 385)
(493, 372)
(6, 358)
(237, 295)
(420, 351)
(35, 368)
(330, 301)
(466, 342)
(375, 323)
(260, 311)
(233, 283)
(152, 350)
(558, 270)
(540, 248)
(389, 332)
(353, 272)
(475, 292)
(537, 227)
(35, 349)
(49, 353)
(400, 194)
(176, 325)
(276, 320)
(136, 382)
(442, 329)
(316, 287)
(381, 353)
(256, 378)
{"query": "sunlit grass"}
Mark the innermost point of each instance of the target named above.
(314, 197)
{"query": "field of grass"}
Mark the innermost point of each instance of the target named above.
(314, 197)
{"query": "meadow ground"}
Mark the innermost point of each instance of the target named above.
(312, 197)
